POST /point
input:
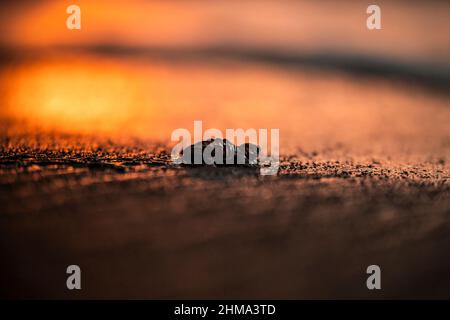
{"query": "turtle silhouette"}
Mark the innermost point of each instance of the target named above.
(247, 154)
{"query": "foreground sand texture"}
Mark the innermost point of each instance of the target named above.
(142, 229)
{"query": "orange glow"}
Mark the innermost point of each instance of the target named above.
(409, 30)
(72, 96)
(43, 24)
(149, 99)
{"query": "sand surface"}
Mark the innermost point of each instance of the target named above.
(142, 228)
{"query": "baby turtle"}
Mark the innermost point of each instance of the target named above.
(249, 152)
(220, 152)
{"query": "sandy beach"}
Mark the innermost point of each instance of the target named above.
(86, 177)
